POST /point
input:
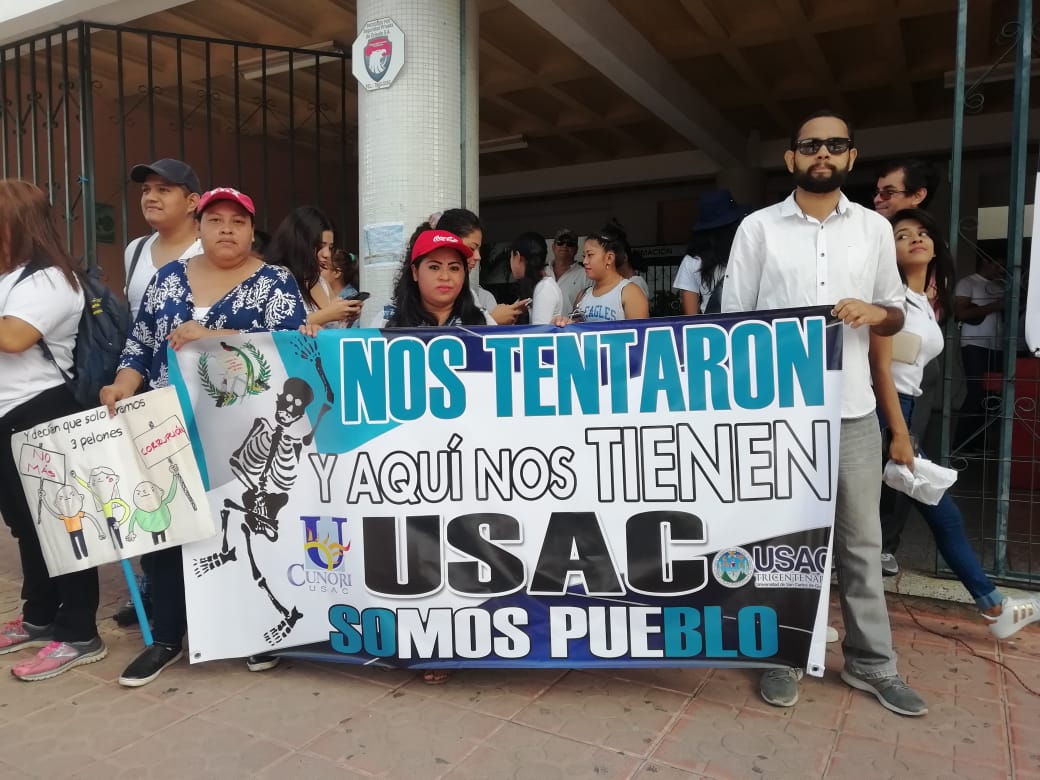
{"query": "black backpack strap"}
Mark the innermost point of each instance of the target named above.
(133, 261)
(714, 304)
(30, 268)
(50, 356)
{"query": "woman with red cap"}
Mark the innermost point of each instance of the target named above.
(226, 290)
(433, 287)
(433, 290)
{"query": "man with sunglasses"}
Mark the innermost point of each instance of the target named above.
(570, 276)
(818, 248)
(904, 184)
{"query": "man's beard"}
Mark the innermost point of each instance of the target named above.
(820, 186)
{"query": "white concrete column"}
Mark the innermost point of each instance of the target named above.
(418, 141)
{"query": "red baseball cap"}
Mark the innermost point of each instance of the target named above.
(226, 193)
(430, 240)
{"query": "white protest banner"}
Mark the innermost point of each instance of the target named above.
(642, 493)
(105, 489)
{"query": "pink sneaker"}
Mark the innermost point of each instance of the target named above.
(17, 634)
(58, 657)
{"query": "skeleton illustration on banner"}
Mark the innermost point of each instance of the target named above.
(265, 464)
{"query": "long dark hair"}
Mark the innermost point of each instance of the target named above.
(295, 245)
(409, 311)
(941, 268)
(712, 247)
(531, 247)
(31, 235)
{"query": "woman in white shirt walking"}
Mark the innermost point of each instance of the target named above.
(897, 365)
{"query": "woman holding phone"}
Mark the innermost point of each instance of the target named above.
(536, 283)
(303, 243)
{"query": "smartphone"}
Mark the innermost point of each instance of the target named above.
(357, 296)
(526, 302)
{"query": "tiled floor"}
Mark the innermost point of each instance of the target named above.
(306, 720)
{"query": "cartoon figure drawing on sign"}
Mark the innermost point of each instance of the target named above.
(68, 507)
(103, 484)
(152, 511)
(266, 464)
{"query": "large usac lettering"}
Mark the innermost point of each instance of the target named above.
(407, 558)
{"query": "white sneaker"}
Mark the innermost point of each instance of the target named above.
(1016, 614)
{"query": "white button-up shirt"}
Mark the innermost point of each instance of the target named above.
(783, 258)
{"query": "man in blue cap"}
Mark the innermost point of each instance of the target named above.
(170, 191)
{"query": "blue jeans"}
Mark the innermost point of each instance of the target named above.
(947, 527)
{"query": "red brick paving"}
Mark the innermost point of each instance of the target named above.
(317, 721)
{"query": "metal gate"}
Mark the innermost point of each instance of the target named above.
(80, 105)
(999, 457)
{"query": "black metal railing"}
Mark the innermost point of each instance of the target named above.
(81, 104)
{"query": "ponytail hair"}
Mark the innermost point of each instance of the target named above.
(612, 238)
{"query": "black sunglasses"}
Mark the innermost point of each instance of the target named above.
(566, 242)
(810, 146)
(887, 194)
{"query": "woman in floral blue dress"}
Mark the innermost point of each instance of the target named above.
(225, 290)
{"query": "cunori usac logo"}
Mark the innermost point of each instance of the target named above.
(325, 551)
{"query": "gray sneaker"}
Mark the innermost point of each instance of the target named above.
(892, 692)
(779, 687)
(889, 565)
(58, 657)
